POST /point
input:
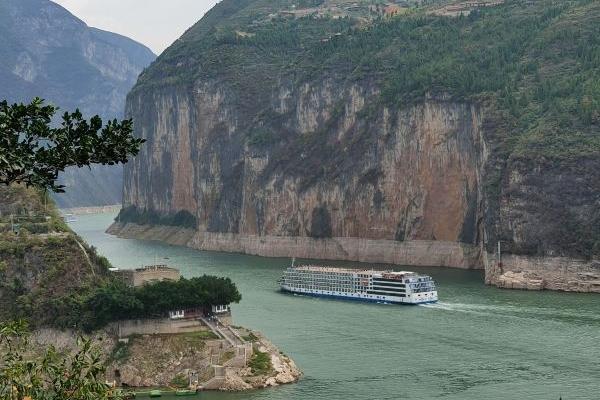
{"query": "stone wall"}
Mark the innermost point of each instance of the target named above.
(127, 328)
(154, 273)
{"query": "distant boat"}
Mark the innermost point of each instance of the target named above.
(155, 393)
(70, 218)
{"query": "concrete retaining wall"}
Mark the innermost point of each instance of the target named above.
(154, 327)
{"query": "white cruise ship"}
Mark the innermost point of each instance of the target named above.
(365, 285)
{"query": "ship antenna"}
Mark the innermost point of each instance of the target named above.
(293, 261)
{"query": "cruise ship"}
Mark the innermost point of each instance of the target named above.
(365, 285)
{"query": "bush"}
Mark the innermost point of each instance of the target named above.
(260, 364)
(180, 381)
(117, 301)
(132, 214)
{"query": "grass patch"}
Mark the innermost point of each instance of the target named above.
(180, 381)
(120, 353)
(251, 337)
(260, 364)
(203, 335)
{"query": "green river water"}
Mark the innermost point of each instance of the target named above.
(478, 342)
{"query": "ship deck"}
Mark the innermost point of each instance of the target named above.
(318, 268)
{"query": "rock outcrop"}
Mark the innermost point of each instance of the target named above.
(176, 360)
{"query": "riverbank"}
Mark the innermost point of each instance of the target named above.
(477, 342)
(516, 272)
(422, 253)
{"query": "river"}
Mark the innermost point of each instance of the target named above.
(478, 342)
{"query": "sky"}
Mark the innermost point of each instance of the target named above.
(154, 23)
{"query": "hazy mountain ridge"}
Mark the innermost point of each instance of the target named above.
(49, 53)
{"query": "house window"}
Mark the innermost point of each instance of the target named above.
(220, 309)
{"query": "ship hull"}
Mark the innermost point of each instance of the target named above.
(357, 298)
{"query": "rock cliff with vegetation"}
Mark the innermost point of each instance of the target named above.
(51, 279)
(47, 52)
(401, 133)
(170, 360)
(44, 266)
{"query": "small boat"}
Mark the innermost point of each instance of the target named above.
(186, 392)
(70, 218)
(155, 393)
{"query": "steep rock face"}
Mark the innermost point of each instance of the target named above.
(550, 224)
(47, 52)
(416, 179)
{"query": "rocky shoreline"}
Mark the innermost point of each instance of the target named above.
(146, 361)
(543, 273)
(411, 252)
(517, 272)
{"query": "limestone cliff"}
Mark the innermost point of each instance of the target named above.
(330, 143)
(416, 179)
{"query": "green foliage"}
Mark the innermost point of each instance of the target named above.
(52, 376)
(133, 214)
(309, 3)
(261, 138)
(111, 302)
(260, 363)
(34, 153)
(47, 278)
(180, 381)
(251, 337)
(118, 301)
(534, 63)
(120, 352)
(201, 335)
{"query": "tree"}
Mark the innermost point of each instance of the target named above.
(51, 376)
(116, 301)
(32, 152)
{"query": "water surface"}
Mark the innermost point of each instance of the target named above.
(478, 342)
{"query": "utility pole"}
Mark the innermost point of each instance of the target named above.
(499, 253)
(500, 258)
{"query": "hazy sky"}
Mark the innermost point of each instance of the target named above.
(155, 23)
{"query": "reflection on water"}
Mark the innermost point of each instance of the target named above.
(477, 342)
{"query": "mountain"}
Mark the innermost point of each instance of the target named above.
(413, 134)
(47, 52)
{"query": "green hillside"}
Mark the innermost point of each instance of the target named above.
(44, 266)
(535, 62)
